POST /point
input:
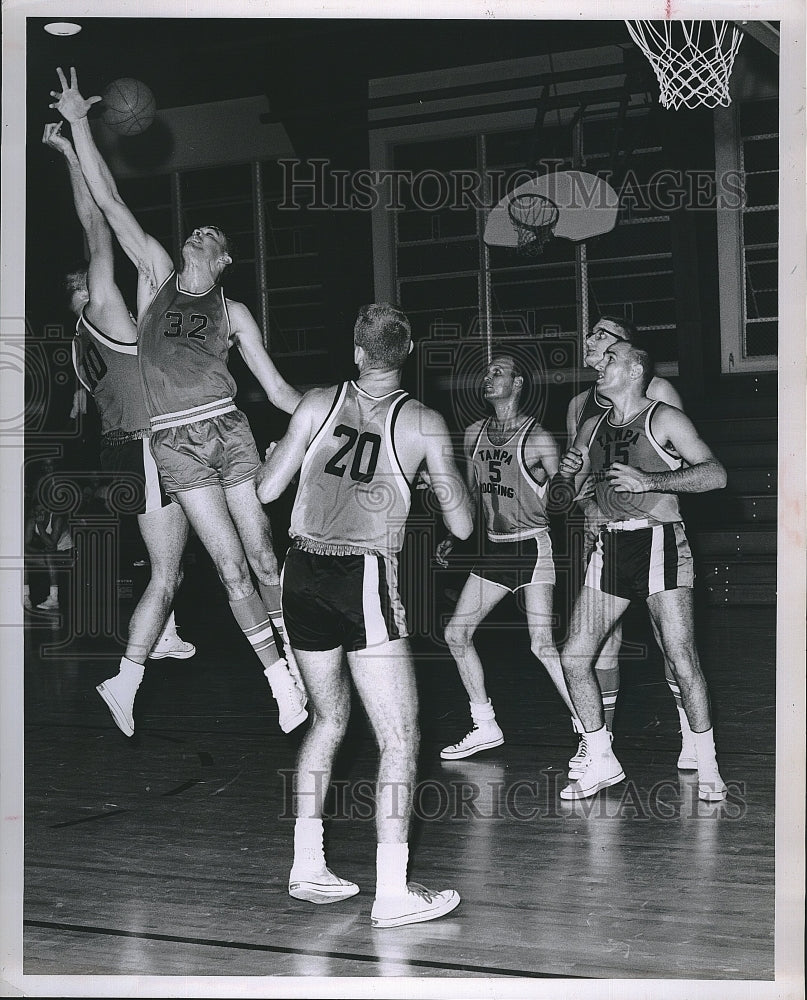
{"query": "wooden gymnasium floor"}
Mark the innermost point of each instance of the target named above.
(168, 854)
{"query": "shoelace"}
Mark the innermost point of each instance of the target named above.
(417, 889)
(582, 751)
(465, 739)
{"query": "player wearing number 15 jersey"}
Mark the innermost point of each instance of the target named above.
(358, 447)
(510, 460)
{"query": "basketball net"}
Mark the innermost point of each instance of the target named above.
(692, 60)
(533, 217)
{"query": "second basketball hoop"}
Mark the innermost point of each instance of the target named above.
(570, 204)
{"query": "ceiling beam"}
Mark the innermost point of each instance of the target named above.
(763, 31)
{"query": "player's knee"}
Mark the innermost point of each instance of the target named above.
(329, 725)
(681, 663)
(458, 636)
(166, 579)
(400, 739)
(234, 575)
(266, 569)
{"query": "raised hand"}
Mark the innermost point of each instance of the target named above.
(69, 102)
(52, 136)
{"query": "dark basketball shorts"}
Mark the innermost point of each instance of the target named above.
(218, 450)
(135, 485)
(341, 600)
(635, 564)
(514, 565)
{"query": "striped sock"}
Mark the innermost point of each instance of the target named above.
(672, 684)
(271, 596)
(608, 679)
(254, 621)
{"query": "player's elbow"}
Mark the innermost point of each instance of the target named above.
(266, 488)
(720, 475)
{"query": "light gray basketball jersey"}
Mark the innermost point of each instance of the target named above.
(353, 494)
(632, 444)
(513, 500)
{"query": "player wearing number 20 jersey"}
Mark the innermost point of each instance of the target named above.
(353, 493)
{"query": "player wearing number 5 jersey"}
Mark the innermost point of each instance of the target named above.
(105, 361)
(201, 442)
(358, 447)
(510, 459)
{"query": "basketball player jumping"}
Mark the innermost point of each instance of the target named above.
(201, 442)
(510, 460)
(606, 331)
(640, 454)
(105, 360)
(358, 447)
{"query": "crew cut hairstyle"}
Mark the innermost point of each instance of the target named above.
(640, 356)
(625, 325)
(384, 333)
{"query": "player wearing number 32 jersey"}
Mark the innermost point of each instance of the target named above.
(201, 442)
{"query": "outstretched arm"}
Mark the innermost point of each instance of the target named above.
(446, 481)
(247, 338)
(283, 462)
(151, 260)
(106, 306)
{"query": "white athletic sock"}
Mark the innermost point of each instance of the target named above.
(131, 671)
(705, 747)
(391, 863)
(599, 741)
(26, 590)
(686, 729)
(309, 853)
(54, 592)
(482, 712)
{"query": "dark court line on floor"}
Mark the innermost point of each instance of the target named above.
(89, 819)
(280, 950)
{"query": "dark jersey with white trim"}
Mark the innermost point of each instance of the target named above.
(633, 444)
(108, 369)
(513, 497)
(183, 348)
(592, 407)
(353, 492)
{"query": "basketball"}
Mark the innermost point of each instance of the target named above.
(128, 106)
